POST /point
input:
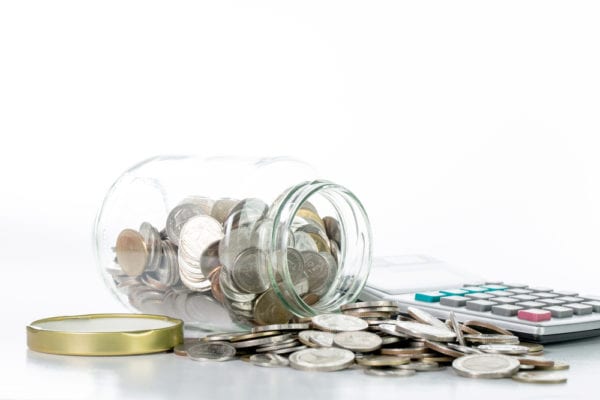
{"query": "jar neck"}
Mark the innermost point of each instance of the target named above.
(355, 246)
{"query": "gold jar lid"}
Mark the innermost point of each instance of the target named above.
(105, 334)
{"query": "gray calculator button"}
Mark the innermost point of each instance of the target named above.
(506, 310)
(595, 305)
(495, 287)
(571, 299)
(516, 285)
(532, 304)
(524, 297)
(569, 293)
(547, 295)
(505, 300)
(560, 312)
(540, 289)
(480, 305)
(578, 308)
(453, 301)
(552, 302)
(479, 296)
(520, 291)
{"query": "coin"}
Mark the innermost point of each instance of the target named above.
(213, 351)
(358, 341)
(261, 341)
(249, 271)
(440, 348)
(464, 349)
(425, 318)
(369, 304)
(268, 309)
(281, 327)
(421, 366)
(424, 331)
(253, 335)
(539, 377)
(483, 326)
(389, 372)
(511, 349)
(132, 253)
(209, 259)
(485, 338)
(153, 244)
(178, 217)
(317, 271)
(390, 329)
(382, 361)
(338, 323)
(558, 366)
(321, 359)
(486, 366)
(222, 208)
(182, 348)
(314, 338)
(219, 337)
(533, 347)
(534, 360)
(269, 360)
(457, 330)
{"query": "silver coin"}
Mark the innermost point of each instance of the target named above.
(511, 349)
(425, 318)
(390, 329)
(262, 341)
(230, 289)
(464, 349)
(219, 337)
(269, 360)
(246, 213)
(540, 377)
(282, 327)
(211, 351)
(316, 338)
(332, 227)
(249, 271)
(369, 304)
(235, 241)
(486, 366)
(178, 217)
(317, 270)
(457, 330)
(492, 339)
(389, 372)
(204, 203)
(358, 341)
(222, 208)
(288, 350)
(421, 366)
(292, 342)
(304, 242)
(209, 259)
(153, 244)
(339, 323)
(425, 331)
(321, 359)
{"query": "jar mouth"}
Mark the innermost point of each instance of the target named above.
(355, 247)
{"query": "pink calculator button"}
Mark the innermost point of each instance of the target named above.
(534, 315)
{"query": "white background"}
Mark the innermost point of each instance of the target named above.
(469, 129)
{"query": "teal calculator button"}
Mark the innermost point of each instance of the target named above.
(495, 287)
(430, 297)
(476, 289)
(454, 292)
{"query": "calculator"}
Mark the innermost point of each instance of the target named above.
(537, 314)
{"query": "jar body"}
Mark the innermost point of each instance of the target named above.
(228, 242)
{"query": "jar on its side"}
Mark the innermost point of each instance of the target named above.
(226, 243)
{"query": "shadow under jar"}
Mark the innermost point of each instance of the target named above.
(225, 243)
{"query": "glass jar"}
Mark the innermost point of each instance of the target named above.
(226, 243)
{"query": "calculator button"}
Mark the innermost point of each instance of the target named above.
(595, 305)
(540, 289)
(520, 291)
(552, 302)
(531, 304)
(474, 284)
(580, 309)
(480, 305)
(560, 312)
(454, 292)
(506, 310)
(567, 293)
(516, 285)
(524, 297)
(547, 295)
(505, 300)
(494, 286)
(454, 301)
(534, 315)
(571, 299)
(430, 297)
(475, 289)
(479, 296)
(494, 282)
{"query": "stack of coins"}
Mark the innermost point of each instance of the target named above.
(208, 264)
(395, 347)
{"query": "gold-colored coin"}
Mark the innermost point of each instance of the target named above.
(537, 361)
(482, 327)
(268, 309)
(132, 253)
(533, 347)
(558, 366)
(382, 361)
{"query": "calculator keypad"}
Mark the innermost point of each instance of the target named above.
(534, 304)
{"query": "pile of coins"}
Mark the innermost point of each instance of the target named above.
(384, 346)
(211, 257)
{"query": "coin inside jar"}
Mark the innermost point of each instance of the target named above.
(132, 254)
